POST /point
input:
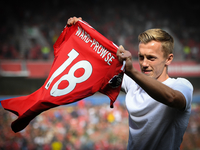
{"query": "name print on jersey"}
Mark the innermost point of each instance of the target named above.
(98, 48)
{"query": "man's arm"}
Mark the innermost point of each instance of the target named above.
(154, 88)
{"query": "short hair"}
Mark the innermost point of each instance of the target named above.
(159, 35)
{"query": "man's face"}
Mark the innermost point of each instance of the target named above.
(152, 61)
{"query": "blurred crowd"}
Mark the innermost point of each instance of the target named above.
(82, 127)
(192, 135)
(119, 22)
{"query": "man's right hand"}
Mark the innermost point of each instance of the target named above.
(73, 20)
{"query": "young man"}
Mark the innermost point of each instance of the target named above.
(159, 106)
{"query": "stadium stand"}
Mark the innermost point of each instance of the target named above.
(28, 30)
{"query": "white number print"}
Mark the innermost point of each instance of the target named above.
(72, 80)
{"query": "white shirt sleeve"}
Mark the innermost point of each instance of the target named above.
(127, 83)
(185, 87)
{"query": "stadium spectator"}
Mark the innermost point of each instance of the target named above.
(187, 52)
(45, 52)
(8, 51)
(35, 51)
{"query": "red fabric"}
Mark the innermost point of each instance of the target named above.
(80, 69)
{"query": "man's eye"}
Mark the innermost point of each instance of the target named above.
(152, 58)
(141, 57)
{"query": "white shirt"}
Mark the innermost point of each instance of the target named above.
(153, 125)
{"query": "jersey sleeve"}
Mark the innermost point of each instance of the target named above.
(112, 83)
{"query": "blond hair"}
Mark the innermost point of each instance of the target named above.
(160, 36)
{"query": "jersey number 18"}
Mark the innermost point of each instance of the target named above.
(72, 80)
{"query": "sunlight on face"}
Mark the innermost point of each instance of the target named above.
(152, 61)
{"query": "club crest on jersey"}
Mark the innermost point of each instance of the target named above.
(116, 80)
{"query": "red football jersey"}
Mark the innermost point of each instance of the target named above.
(85, 62)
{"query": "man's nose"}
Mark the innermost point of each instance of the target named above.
(145, 63)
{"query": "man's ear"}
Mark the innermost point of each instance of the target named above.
(169, 59)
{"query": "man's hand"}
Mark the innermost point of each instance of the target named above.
(73, 20)
(122, 55)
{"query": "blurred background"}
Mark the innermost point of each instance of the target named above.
(28, 30)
